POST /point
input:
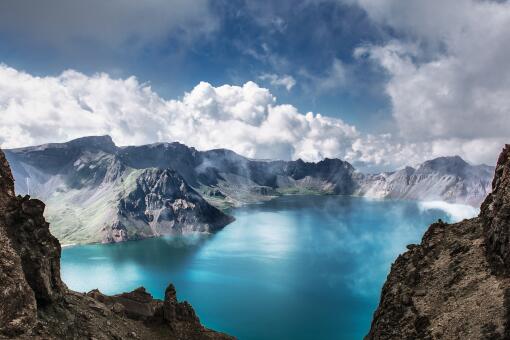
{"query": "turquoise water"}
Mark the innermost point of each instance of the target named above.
(308, 267)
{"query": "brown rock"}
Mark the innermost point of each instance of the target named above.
(18, 310)
(456, 283)
(495, 214)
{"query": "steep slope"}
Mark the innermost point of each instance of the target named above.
(449, 179)
(93, 196)
(456, 283)
(36, 304)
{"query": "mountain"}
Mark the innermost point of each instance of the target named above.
(456, 283)
(449, 179)
(93, 195)
(36, 304)
(99, 192)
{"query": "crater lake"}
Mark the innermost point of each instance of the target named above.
(297, 267)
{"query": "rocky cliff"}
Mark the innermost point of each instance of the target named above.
(36, 304)
(456, 283)
(160, 203)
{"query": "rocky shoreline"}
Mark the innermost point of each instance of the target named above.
(36, 304)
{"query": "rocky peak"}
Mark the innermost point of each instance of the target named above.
(18, 310)
(39, 251)
(449, 165)
(104, 143)
(495, 214)
(29, 235)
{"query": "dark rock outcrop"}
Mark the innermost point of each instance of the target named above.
(456, 283)
(36, 304)
(164, 201)
(38, 250)
(18, 310)
(495, 214)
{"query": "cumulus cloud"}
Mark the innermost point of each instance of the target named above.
(246, 119)
(285, 80)
(449, 75)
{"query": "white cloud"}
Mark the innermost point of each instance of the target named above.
(285, 80)
(246, 119)
(450, 77)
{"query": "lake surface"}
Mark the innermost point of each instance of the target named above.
(298, 267)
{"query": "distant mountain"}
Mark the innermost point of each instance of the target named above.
(98, 192)
(449, 179)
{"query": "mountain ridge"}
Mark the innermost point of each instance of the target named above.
(90, 175)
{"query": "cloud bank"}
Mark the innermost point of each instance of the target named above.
(449, 74)
(457, 212)
(247, 119)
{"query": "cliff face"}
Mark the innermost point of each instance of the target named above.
(161, 202)
(495, 215)
(36, 304)
(18, 306)
(456, 283)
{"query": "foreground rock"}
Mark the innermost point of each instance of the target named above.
(456, 283)
(36, 304)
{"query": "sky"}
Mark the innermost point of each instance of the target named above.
(381, 84)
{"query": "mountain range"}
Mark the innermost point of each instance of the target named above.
(99, 192)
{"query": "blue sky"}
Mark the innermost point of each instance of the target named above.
(249, 39)
(388, 69)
